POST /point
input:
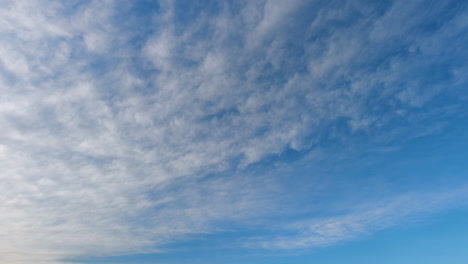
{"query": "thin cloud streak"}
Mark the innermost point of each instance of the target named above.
(361, 221)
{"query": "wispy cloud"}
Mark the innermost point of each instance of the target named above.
(360, 221)
(120, 137)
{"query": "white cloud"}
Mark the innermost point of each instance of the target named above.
(105, 146)
(360, 221)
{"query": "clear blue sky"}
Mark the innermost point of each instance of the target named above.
(260, 131)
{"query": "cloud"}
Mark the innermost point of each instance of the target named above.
(360, 221)
(119, 137)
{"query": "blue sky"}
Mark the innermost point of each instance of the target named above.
(233, 132)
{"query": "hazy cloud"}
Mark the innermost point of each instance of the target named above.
(114, 124)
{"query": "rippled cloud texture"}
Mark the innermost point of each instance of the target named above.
(128, 126)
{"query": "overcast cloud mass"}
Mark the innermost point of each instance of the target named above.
(128, 127)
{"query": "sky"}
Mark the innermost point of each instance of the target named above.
(219, 131)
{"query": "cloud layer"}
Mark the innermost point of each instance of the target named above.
(127, 126)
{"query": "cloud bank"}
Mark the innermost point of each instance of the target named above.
(129, 126)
